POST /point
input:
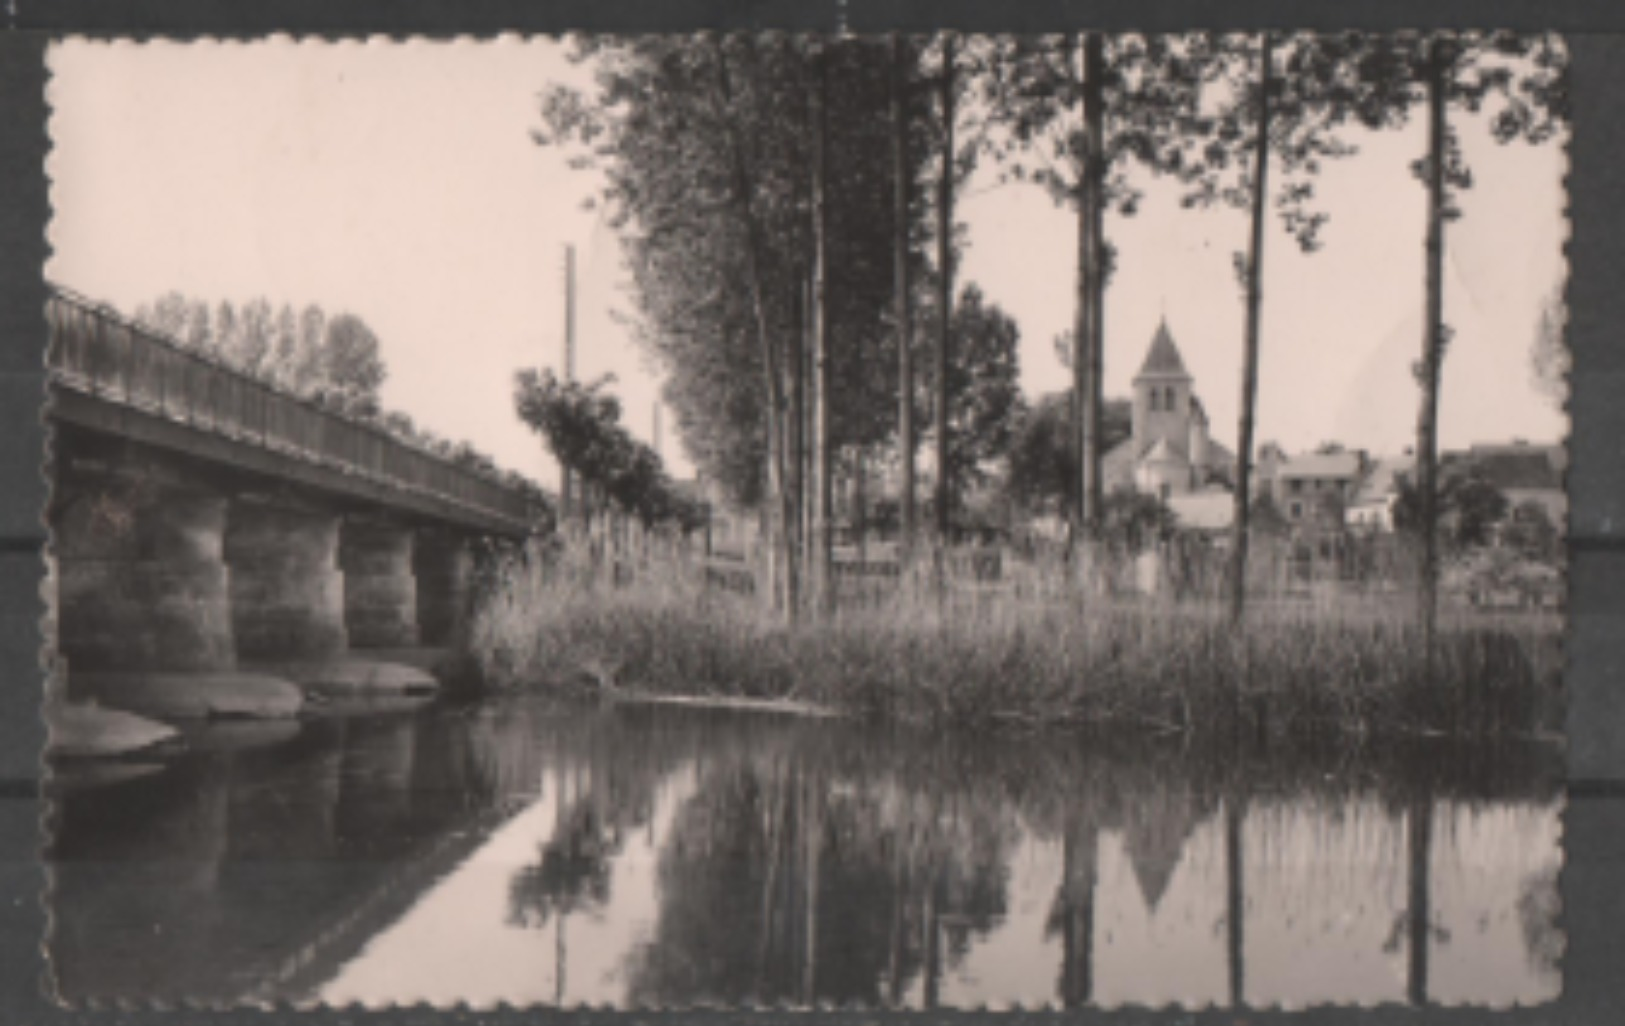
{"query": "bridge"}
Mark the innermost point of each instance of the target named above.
(206, 521)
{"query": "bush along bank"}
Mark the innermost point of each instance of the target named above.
(981, 659)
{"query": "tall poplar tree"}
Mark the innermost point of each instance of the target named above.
(716, 300)
(1282, 103)
(1520, 83)
(1076, 115)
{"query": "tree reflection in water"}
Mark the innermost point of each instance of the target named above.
(802, 863)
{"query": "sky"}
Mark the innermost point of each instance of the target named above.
(400, 182)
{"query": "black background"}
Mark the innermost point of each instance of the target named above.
(1594, 872)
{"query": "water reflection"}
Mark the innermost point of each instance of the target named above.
(522, 853)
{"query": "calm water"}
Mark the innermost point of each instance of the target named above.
(516, 852)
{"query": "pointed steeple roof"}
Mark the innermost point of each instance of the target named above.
(1154, 839)
(1163, 359)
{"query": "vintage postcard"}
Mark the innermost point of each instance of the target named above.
(748, 521)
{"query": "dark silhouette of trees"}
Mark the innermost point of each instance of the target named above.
(981, 399)
(1043, 459)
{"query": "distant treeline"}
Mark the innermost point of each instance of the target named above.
(305, 351)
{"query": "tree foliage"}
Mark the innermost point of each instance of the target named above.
(1043, 461)
(1469, 508)
(581, 424)
(1032, 90)
(656, 126)
(985, 407)
(1549, 359)
(335, 359)
(1318, 87)
(1528, 529)
(1134, 521)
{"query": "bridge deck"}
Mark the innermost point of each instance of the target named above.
(112, 376)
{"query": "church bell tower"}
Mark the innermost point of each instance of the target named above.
(1162, 397)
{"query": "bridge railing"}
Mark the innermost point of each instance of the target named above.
(95, 351)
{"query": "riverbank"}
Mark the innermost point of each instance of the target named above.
(981, 659)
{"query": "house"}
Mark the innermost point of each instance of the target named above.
(1372, 507)
(1523, 473)
(1313, 488)
(1519, 470)
(1168, 452)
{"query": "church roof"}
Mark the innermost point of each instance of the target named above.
(1163, 359)
(1162, 452)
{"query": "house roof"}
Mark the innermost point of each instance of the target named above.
(1382, 482)
(1121, 455)
(1517, 466)
(1219, 456)
(1322, 464)
(1163, 359)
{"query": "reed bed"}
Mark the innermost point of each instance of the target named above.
(1026, 652)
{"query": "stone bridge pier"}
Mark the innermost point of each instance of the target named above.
(287, 592)
(333, 600)
(443, 565)
(380, 589)
(146, 618)
(178, 601)
(143, 580)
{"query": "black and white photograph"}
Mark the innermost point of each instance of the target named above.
(758, 520)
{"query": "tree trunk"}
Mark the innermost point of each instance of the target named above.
(1080, 333)
(811, 836)
(1439, 60)
(1235, 901)
(823, 539)
(1077, 900)
(932, 945)
(1249, 367)
(945, 302)
(567, 484)
(901, 298)
(777, 499)
(1088, 358)
(796, 442)
(860, 502)
(1419, 846)
(809, 466)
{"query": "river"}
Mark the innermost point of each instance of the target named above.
(523, 852)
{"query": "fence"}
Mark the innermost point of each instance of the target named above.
(96, 352)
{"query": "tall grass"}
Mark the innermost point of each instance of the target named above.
(1026, 652)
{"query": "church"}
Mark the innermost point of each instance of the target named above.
(1168, 452)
